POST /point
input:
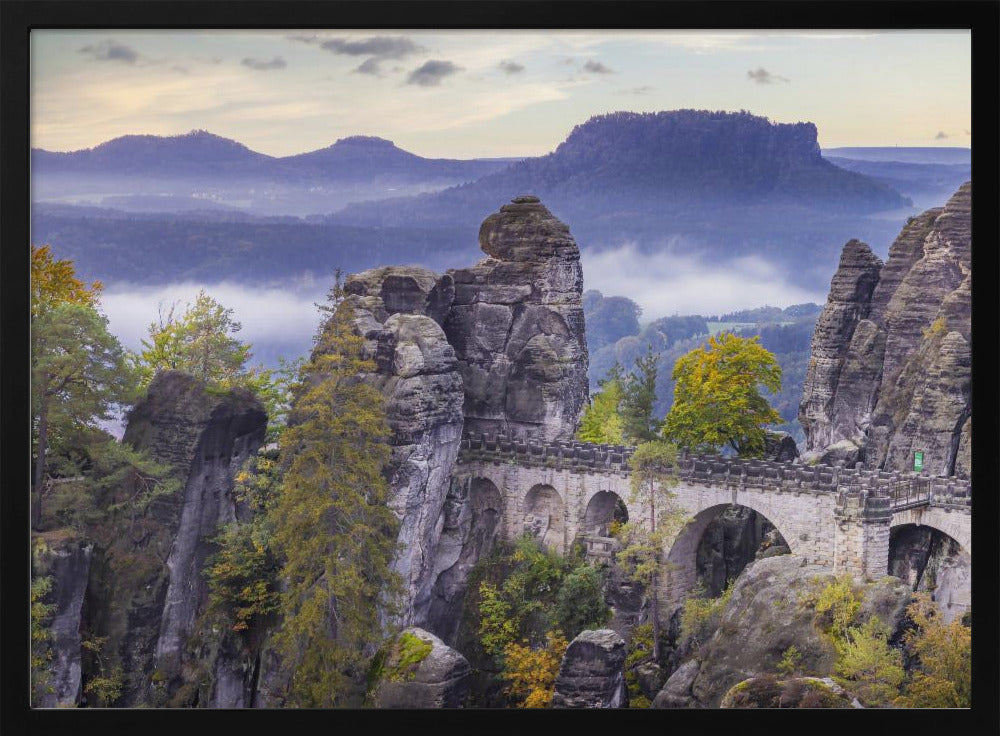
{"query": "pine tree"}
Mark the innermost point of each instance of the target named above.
(638, 400)
(332, 525)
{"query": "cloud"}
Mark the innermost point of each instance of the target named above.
(511, 67)
(264, 64)
(670, 282)
(382, 47)
(635, 90)
(941, 135)
(430, 73)
(760, 75)
(596, 67)
(111, 51)
(370, 66)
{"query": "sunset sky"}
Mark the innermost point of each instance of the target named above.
(489, 93)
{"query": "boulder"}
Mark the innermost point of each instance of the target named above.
(676, 692)
(767, 691)
(592, 672)
(421, 671)
(766, 615)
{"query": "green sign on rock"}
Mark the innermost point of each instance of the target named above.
(918, 461)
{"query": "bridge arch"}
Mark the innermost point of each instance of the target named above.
(543, 516)
(603, 508)
(682, 550)
(933, 560)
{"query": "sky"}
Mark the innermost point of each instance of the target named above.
(489, 93)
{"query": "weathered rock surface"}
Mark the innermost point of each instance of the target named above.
(676, 692)
(512, 357)
(416, 372)
(517, 325)
(848, 304)
(471, 525)
(762, 619)
(440, 680)
(729, 543)
(65, 558)
(592, 673)
(895, 377)
(148, 609)
(795, 692)
(929, 561)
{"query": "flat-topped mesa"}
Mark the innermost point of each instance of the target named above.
(517, 325)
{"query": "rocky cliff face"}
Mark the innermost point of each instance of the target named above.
(499, 346)
(399, 310)
(151, 588)
(517, 326)
(891, 357)
(932, 562)
(65, 559)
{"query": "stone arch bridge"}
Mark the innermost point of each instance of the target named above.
(564, 492)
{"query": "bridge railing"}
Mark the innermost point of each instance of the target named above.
(903, 489)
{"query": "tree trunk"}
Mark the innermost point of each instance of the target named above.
(654, 598)
(39, 477)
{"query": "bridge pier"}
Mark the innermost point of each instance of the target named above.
(861, 534)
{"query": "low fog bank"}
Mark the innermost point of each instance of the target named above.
(278, 322)
(675, 283)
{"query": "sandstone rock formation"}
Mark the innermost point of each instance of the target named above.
(148, 609)
(932, 562)
(64, 558)
(795, 692)
(517, 326)
(592, 673)
(762, 619)
(417, 373)
(438, 680)
(512, 357)
(890, 370)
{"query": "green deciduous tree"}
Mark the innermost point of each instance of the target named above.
(201, 342)
(602, 420)
(717, 400)
(332, 524)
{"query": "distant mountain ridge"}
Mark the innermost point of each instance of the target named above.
(203, 154)
(672, 160)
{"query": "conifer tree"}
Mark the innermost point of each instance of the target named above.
(332, 524)
(639, 398)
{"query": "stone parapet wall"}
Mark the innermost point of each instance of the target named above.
(708, 469)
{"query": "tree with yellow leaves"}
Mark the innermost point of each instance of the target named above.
(944, 651)
(717, 400)
(532, 672)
